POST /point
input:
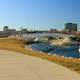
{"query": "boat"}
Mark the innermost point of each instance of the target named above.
(79, 49)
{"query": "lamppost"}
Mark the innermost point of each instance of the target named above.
(20, 33)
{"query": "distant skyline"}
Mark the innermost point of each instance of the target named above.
(39, 14)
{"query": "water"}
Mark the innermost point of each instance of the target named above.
(44, 47)
(66, 51)
(70, 51)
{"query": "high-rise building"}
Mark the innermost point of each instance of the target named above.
(5, 28)
(70, 27)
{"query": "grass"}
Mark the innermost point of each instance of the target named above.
(19, 46)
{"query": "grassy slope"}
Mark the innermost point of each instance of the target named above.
(19, 46)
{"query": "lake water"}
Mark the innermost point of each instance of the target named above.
(66, 51)
(44, 47)
(70, 51)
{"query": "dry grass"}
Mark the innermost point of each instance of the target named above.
(19, 46)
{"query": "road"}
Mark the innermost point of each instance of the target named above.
(16, 66)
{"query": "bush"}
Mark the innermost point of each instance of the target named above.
(75, 39)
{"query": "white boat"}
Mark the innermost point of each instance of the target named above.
(79, 49)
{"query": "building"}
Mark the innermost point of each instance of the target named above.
(5, 28)
(70, 27)
(8, 31)
(78, 33)
(12, 31)
(3, 34)
(54, 31)
(24, 31)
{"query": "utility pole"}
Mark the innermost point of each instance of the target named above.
(21, 33)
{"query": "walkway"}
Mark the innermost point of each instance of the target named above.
(16, 66)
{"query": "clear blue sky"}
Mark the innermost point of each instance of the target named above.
(39, 14)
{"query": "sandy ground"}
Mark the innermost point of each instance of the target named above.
(16, 66)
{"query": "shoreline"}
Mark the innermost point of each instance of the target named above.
(53, 54)
(19, 46)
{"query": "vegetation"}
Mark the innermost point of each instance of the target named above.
(75, 39)
(19, 46)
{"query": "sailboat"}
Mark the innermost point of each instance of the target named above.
(79, 49)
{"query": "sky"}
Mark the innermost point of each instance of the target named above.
(39, 14)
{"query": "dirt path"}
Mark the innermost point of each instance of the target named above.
(16, 66)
